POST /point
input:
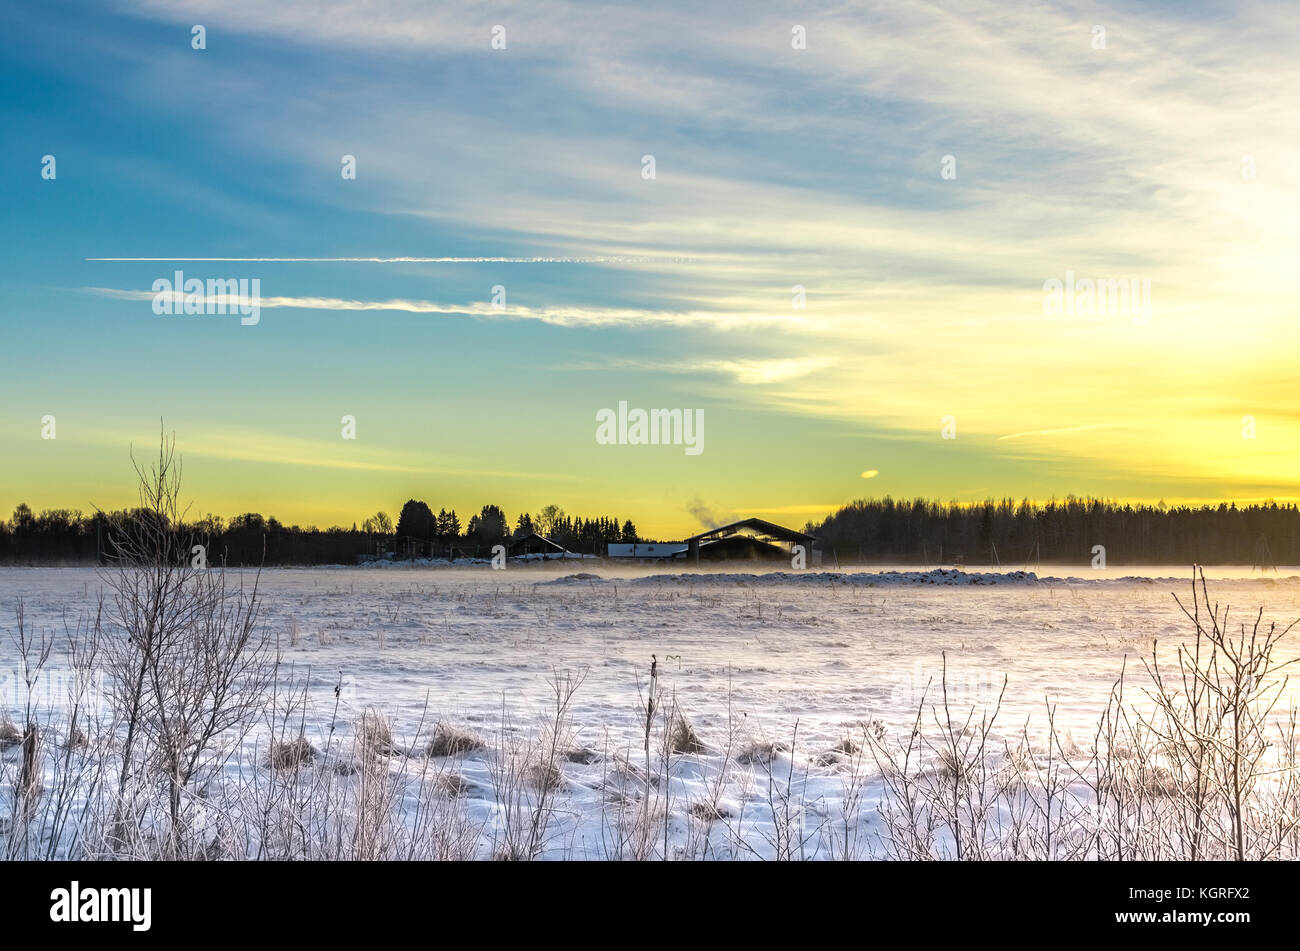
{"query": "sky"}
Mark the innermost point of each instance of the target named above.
(923, 172)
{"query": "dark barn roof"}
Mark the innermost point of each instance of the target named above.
(534, 544)
(758, 527)
(737, 548)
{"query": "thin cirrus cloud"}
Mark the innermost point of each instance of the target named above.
(247, 445)
(1059, 431)
(749, 371)
(255, 446)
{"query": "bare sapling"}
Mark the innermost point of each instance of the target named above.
(191, 664)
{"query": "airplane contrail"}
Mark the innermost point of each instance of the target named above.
(604, 259)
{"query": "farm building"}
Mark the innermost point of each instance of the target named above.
(536, 546)
(751, 539)
(646, 551)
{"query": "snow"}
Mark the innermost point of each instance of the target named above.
(797, 658)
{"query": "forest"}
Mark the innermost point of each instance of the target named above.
(1016, 534)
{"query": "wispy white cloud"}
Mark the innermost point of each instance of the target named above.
(1059, 431)
(246, 444)
(750, 371)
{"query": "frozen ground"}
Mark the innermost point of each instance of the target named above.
(746, 658)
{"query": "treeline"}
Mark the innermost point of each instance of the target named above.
(877, 531)
(1064, 532)
(421, 533)
(68, 536)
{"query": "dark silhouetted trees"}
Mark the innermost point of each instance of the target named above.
(922, 531)
(489, 527)
(877, 531)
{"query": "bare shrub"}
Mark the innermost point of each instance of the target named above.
(194, 665)
(1212, 720)
(1207, 770)
(52, 783)
(526, 775)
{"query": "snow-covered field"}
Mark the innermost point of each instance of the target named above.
(804, 660)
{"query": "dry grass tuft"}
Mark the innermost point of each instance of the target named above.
(682, 737)
(951, 766)
(583, 755)
(374, 736)
(76, 739)
(707, 811)
(760, 753)
(452, 785)
(291, 754)
(1160, 782)
(546, 777)
(10, 735)
(623, 773)
(449, 741)
(846, 747)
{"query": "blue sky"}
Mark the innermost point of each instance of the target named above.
(775, 167)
